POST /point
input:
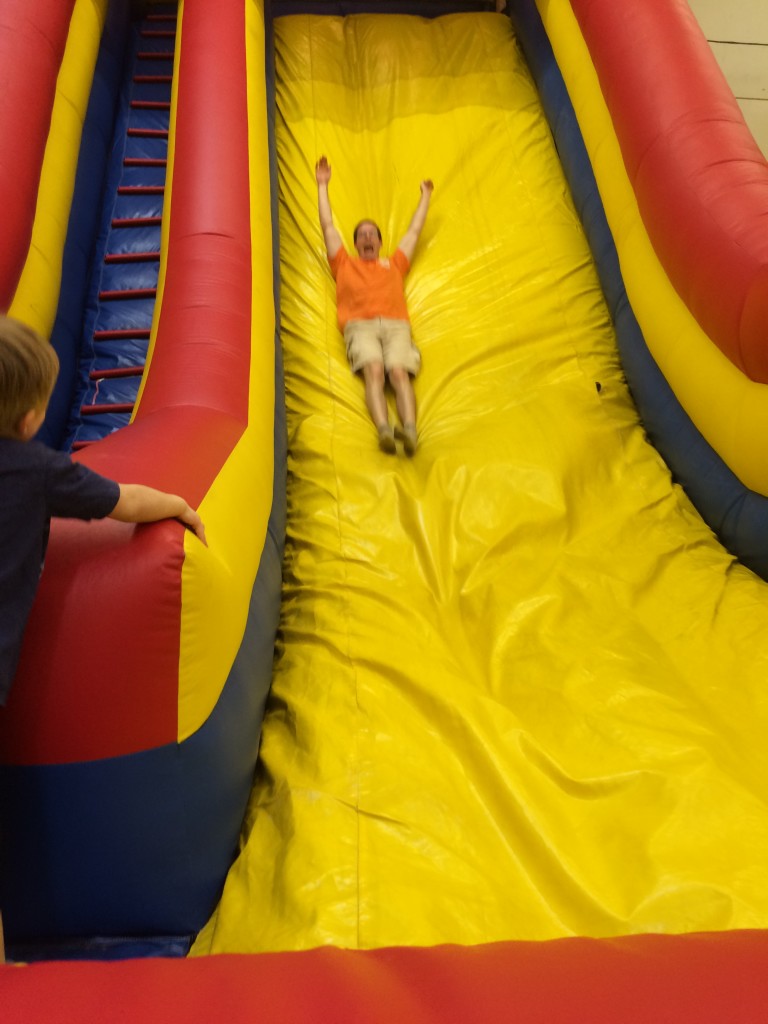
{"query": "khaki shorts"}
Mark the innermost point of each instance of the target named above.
(381, 340)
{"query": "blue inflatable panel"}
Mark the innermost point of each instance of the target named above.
(173, 812)
(98, 133)
(130, 225)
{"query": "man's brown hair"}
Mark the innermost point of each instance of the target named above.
(28, 370)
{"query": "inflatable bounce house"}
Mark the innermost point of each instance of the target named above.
(473, 735)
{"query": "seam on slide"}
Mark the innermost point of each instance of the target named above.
(340, 533)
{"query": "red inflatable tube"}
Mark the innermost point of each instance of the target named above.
(30, 58)
(675, 117)
(693, 979)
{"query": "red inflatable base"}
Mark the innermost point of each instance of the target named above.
(707, 979)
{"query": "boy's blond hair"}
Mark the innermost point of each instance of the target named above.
(28, 370)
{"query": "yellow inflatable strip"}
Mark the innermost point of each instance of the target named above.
(37, 294)
(216, 591)
(519, 690)
(729, 409)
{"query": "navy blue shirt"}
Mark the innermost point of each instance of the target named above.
(35, 484)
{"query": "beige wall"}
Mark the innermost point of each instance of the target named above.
(737, 31)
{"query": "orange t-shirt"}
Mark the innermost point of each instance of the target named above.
(369, 288)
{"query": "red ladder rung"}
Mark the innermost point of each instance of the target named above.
(144, 161)
(110, 295)
(159, 16)
(155, 55)
(158, 33)
(150, 104)
(122, 334)
(148, 133)
(96, 410)
(140, 190)
(136, 222)
(116, 371)
(153, 79)
(131, 257)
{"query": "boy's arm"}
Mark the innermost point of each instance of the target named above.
(140, 504)
(410, 238)
(332, 237)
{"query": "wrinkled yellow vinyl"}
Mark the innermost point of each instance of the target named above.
(520, 691)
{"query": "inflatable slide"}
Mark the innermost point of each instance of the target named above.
(511, 762)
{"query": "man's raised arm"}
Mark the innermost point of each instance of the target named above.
(332, 237)
(411, 236)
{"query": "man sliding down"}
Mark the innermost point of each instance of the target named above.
(372, 312)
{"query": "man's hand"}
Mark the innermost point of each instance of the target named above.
(323, 171)
(410, 238)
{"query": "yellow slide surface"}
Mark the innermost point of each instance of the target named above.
(520, 690)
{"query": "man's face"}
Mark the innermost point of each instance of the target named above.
(368, 243)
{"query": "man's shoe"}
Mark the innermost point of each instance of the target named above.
(387, 439)
(407, 434)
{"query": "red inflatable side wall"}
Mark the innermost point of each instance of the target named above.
(109, 587)
(30, 58)
(675, 118)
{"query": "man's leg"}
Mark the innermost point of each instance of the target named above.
(376, 401)
(400, 379)
(402, 361)
(366, 357)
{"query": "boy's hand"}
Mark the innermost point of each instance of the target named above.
(322, 171)
(191, 519)
(141, 504)
(427, 186)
